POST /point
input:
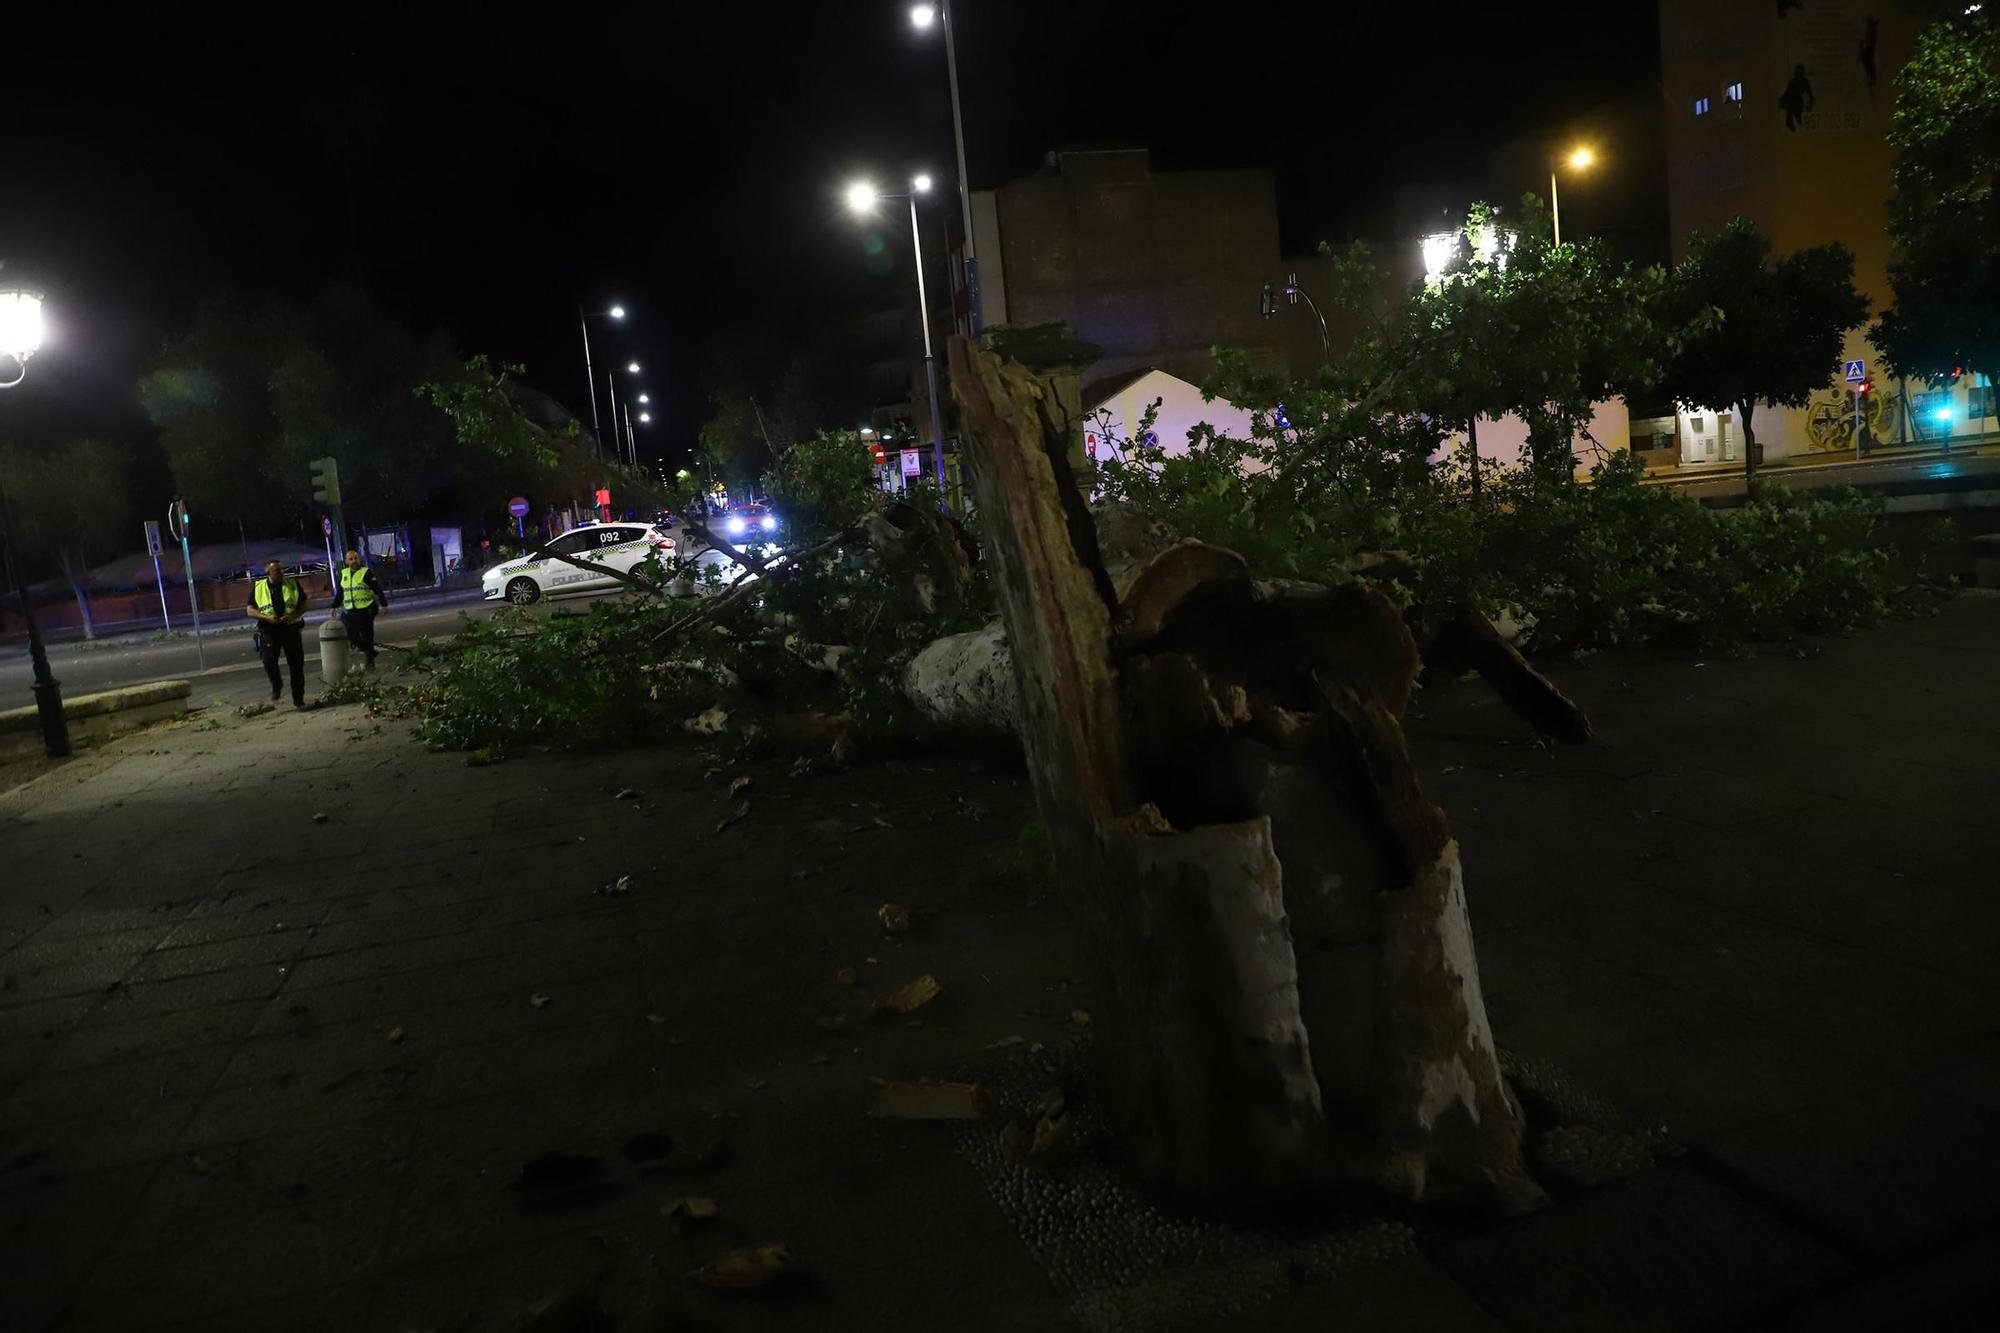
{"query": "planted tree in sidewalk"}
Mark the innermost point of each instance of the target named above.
(1944, 213)
(1519, 324)
(1751, 329)
(1289, 995)
(73, 507)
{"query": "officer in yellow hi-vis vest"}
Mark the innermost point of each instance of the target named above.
(278, 605)
(360, 598)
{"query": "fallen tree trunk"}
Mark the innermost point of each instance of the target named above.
(1289, 997)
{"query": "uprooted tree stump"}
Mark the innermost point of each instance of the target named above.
(1289, 995)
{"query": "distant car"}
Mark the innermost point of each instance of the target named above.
(619, 546)
(754, 521)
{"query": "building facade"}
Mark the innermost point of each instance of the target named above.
(1154, 267)
(1780, 113)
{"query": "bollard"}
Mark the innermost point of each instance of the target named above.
(332, 651)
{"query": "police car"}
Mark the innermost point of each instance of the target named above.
(619, 546)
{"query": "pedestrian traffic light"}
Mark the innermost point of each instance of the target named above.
(326, 480)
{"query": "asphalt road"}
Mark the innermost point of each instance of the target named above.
(1918, 473)
(132, 660)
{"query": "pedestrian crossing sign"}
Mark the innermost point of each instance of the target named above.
(1857, 371)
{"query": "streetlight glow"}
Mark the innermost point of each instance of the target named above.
(632, 367)
(644, 399)
(861, 196)
(21, 325)
(616, 312)
(1582, 158)
(645, 416)
(922, 183)
(922, 16)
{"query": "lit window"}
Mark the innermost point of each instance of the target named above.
(1701, 106)
(1733, 93)
(1698, 425)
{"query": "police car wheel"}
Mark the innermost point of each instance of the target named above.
(522, 591)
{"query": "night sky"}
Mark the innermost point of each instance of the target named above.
(497, 165)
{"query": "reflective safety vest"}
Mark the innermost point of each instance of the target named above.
(355, 594)
(293, 596)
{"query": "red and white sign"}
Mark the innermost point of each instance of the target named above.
(1090, 443)
(518, 507)
(913, 463)
(325, 526)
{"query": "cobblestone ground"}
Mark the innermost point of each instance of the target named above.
(303, 1027)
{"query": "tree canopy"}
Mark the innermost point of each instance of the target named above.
(1944, 214)
(1754, 330)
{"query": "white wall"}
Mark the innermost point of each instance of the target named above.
(1502, 438)
(1181, 410)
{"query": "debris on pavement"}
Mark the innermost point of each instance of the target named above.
(617, 888)
(910, 997)
(846, 976)
(1080, 1017)
(902, 1100)
(692, 1205)
(895, 917)
(319, 817)
(629, 794)
(736, 787)
(395, 1035)
(745, 1269)
(733, 817)
(538, 1001)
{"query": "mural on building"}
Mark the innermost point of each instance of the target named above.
(1830, 420)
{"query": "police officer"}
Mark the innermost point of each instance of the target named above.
(360, 598)
(278, 605)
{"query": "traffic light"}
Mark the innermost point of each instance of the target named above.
(326, 480)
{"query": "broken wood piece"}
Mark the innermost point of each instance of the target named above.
(929, 1101)
(1468, 640)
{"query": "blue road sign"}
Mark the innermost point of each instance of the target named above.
(1857, 371)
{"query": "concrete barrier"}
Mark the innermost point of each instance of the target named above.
(96, 716)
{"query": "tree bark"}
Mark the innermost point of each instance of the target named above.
(1749, 446)
(1222, 770)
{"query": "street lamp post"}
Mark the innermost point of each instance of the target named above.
(921, 16)
(861, 197)
(20, 338)
(583, 319)
(1580, 158)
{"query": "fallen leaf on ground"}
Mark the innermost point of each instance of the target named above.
(732, 817)
(895, 917)
(929, 1101)
(395, 1034)
(538, 1001)
(617, 888)
(629, 794)
(909, 998)
(754, 1083)
(846, 976)
(319, 818)
(1049, 1131)
(736, 787)
(255, 710)
(880, 822)
(1080, 1017)
(745, 1269)
(1005, 1042)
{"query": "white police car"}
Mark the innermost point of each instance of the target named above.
(619, 546)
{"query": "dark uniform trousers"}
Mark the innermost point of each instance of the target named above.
(289, 639)
(361, 631)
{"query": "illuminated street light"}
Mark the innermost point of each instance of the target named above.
(22, 332)
(1581, 158)
(646, 418)
(1489, 244)
(922, 184)
(631, 367)
(644, 399)
(922, 17)
(862, 197)
(583, 318)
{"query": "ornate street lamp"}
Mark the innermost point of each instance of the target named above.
(20, 338)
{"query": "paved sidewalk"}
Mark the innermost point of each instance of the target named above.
(263, 1071)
